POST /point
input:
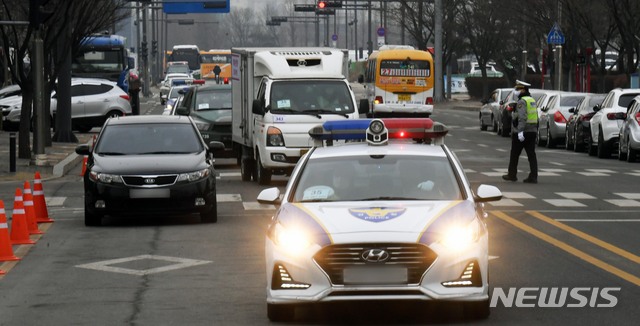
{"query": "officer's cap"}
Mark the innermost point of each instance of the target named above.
(520, 84)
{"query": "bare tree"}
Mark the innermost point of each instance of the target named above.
(84, 17)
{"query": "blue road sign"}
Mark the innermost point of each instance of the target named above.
(555, 36)
(195, 7)
(334, 37)
(380, 31)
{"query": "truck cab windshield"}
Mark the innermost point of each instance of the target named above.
(310, 96)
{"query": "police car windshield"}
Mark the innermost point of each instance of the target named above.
(388, 177)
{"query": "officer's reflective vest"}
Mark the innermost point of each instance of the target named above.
(532, 111)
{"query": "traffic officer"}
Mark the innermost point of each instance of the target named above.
(523, 134)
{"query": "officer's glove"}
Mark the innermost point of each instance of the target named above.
(521, 136)
(426, 186)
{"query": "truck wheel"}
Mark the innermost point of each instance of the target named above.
(263, 176)
(247, 167)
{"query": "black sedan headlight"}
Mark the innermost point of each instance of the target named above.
(105, 177)
(194, 176)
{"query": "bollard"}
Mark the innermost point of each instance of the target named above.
(12, 152)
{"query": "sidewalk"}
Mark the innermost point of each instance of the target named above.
(60, 158)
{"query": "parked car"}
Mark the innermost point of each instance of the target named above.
(509, 106)
(180, 67)
(490, 69)
(93, 100)
(629, 144)
(552, 121)
(605, 126)
(490, 107)
(11, 90)
(9, 104)
(149, 164)
(210, 107)
(577, 131)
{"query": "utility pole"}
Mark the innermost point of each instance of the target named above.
(559, 52)
(145, 54)
(438, 89)
(369, 42)
(38, 84)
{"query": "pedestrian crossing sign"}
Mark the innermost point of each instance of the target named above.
(555, 36)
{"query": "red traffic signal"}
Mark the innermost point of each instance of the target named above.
(323, 4)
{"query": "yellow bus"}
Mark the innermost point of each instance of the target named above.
(399, 82)
(213, 58)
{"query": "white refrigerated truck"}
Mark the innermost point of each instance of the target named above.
(279, 94)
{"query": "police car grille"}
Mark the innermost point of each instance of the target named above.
(416, 258)
(149, 181)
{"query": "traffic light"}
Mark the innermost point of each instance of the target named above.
(154, 47)
(323, 4)
(143, 49)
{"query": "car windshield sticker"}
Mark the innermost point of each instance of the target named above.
(377, 214)
(203, 106)
(317, 192)
(284, 104)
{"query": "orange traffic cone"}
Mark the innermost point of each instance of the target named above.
(30, 210)
(6, 251)
(40, 204)
(19, 229)
(84, 165)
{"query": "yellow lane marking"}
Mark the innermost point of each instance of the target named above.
(572, 250)
(587, 237)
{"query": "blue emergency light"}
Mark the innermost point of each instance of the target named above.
(379, 131)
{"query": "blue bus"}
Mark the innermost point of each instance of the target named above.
(103, 56)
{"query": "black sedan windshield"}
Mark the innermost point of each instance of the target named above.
(159, 138)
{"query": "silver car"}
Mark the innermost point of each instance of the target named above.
(552, 119)
(629, 145)
(489, 112)
(604, 124)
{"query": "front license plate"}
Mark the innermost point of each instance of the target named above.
(149, 193)
(375, 275)
(404, 97)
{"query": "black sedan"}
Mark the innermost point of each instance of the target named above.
(149, 165)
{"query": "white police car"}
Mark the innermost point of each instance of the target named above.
(385, 219)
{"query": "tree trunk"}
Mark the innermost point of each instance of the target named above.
(24, 133)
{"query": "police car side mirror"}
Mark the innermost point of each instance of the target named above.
(572, 110)
(487, 193)
(270, 196)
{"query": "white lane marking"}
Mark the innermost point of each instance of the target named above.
(600, 170)
(256, 206)
(628, 195)
(624, 202)
(593, 174)
(547, 174)
(55, 201)
(564, 203)
(517, 195)
(179, 263)
(575, 195)
(482, 145)
(229, 174)
(554, 170)
(505, 202)
(557, 163)
(493, 257)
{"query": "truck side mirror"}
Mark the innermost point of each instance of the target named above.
(258, 107)
(363, 108)
(182, 111)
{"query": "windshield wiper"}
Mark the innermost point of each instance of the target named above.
(323, 111)
(390, 198)
(162, 152)
(315, 200)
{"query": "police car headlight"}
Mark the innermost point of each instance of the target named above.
(105, 177)
(460, 237)
(194, 176)
(292, 240)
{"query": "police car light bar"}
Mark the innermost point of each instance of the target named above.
(379, 131)
(177, 82)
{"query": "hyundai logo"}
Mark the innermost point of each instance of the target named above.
(149, 181)
(375, 255)
(302, 62)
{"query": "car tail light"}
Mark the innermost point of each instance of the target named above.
(126, 97)
(429, 101)
(378, 100)
(586, 117)
(638, 118)
(559, 118)
(611, 116)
